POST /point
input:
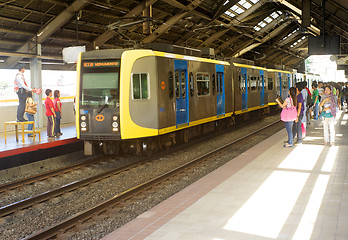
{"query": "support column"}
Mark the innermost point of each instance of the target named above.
(36, 82)
(147, 29)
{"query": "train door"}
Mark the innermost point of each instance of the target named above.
(289, 81)
(220, 93)
(262, 85)
(181, 92)
(244, 83)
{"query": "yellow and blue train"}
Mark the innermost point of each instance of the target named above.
(141, 100)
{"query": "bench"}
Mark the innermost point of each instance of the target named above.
(32, 132)
(16, 124)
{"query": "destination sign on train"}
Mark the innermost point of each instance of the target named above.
(101, 64)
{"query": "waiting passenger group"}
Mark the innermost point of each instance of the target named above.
(27, 105)
(323, 101)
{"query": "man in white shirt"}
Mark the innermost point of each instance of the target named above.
(21, 88)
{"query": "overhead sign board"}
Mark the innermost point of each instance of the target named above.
(70, 54)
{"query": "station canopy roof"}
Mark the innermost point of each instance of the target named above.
(268, 32)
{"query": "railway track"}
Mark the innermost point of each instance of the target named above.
(46, 175)
(130, 195)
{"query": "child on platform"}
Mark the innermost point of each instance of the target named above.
(50, 114)
(58, 110)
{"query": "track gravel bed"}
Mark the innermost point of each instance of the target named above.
(40, 187)
(45, 214)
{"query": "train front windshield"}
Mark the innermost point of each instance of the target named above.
(100, 84)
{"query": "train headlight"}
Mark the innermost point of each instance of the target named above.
(115, 129)
(114, 118)
(83, 118)
(83, 124)
(115, 124)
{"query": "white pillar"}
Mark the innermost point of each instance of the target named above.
(36, 82)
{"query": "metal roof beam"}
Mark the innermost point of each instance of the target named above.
(297, 13)
(237, 20)
(48, 30)
(168, 24)
(265, 39)
(107, 35)
(224, 8)
(289, 39)
(227, 43)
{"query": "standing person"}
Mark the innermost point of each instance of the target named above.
(346, 94)
(50, 114)
(329, 105)
(289, 102)
(304, 93)
(58, 110)
(300, 108)
(32, 106)
(309, 104)
(22, 89)
(321, 91)
(315, 97)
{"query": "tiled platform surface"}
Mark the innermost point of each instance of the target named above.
(268, 192)
(68, 130)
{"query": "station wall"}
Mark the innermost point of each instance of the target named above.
(9, 113)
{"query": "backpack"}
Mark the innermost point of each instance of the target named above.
(310, 102)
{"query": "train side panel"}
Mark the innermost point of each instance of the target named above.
(138, 106)
(229, 91)
(239, 88)
(271, 88)
(166, 94)
(203, 102)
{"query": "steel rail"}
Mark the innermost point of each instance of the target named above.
(81, 217)
(46, 175)
(11, 208)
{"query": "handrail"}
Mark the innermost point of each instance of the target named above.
(43, 99)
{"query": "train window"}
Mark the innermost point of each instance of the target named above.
(259, 82)
(213, 84)
(171, 85)
(183, 84)
(277, 82)
(140, 85)
(253, 84)
(203, 84)
(220, 80)
(100, 88)
(192, 89)
(177, 84)
(285, 83)
(270, 84)
(242, 83)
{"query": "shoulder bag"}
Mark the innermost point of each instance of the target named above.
(29, 109)
(289, 114)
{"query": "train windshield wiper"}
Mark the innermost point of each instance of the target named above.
(106, 104)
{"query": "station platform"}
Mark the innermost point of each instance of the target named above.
(268, 192)
(13, 153)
